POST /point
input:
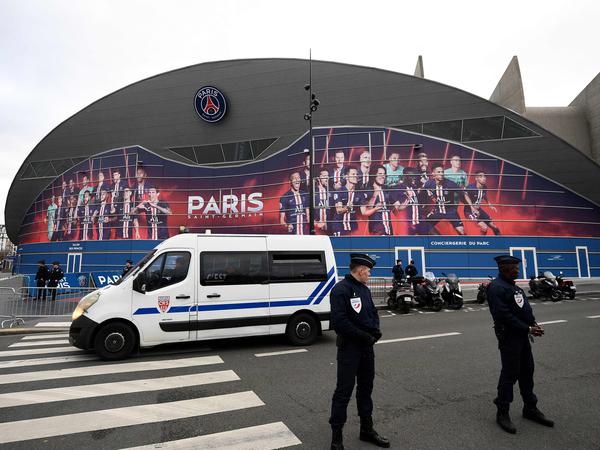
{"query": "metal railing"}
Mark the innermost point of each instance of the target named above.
(16, 305)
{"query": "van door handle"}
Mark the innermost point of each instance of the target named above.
(182, 297)
(213, 295)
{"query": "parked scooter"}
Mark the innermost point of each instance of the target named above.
(401, 296)
(567, 287)
(451, 291)
(545, 285)
(483, 289)
(428, 292)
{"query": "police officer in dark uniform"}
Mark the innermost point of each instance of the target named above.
(398, 270)
(127, 268)
(515, 326)
(56, 274)
(41, 277)
(356, 322)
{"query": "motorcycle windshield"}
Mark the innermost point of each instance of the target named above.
(429, 276)
(549, 275)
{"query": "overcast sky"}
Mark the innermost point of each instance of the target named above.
(56, 57)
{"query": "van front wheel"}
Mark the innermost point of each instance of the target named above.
(302, 330)
(114, 341)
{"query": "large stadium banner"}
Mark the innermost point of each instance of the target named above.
(367, 181)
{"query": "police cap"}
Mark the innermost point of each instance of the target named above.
(129, 261)
(362, 259)
(506, 259)
(41, 261)
(55, 263)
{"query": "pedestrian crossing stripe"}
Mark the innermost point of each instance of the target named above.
(45, 336)
(105, 369)
(265, 437)
(39, 343)
(40, 351)
(43, 361)
(47, 427)
(115, 388)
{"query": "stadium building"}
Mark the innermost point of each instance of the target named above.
(402, 167)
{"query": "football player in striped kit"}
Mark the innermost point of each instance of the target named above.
(71, 219)
(86, 218)
(338, 173)
(410, 198)
(127, 224)
(444, 194)
(103, 216)
(347, 202)
(475, 196)
(293, 207)
(156, 214)
(379, 203)
(322, 201)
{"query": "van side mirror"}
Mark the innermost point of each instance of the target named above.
(139, 283)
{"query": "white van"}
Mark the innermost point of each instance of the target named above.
(208, 286)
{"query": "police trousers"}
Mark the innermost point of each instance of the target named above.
(355, 364)
(517, 365)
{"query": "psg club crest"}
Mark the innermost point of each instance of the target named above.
(210, 104)
(163, 303)
(356, 304)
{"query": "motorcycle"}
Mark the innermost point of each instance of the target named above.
(567, 287)
(428, 292)
(482, 290)
(401, 296)
(451, 291)
(545, 285)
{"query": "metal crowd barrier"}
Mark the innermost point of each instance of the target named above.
(32, 302)
(379, 289)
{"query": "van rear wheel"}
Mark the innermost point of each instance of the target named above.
(114, 341)
(302, 329)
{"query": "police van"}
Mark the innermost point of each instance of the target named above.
(206, 286)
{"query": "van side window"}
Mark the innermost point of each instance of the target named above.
(169, 268)
(296, 267)
(227, 268)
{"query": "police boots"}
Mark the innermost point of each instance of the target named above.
(368, 434)
(532, 413)
(337, 439)
(503, 419)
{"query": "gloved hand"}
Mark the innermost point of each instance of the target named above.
(377, 335)
(366, 338)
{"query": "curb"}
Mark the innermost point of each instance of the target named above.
(31, 330)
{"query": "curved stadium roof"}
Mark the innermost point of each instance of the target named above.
(266, 105)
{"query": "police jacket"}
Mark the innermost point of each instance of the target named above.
(398, 271)
(353, 313)
(411, 270)
(56, 275)
(509, 307)
(42, 274)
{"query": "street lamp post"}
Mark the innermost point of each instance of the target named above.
(313, 105)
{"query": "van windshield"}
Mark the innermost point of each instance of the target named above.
(137, 267)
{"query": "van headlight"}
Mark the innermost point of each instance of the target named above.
(85, 303)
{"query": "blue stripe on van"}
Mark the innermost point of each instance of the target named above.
(181, 309)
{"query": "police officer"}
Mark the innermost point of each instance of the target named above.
(355, 320)
(398, 270)
(411, 270)
(515, 326)
(41, 277)
(127, 268)
(56, 274)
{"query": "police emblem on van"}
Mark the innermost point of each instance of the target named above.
(163, 302)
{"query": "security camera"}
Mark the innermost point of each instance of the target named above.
(316, 102)
(313, 108)
(306, 87)
(307, 116)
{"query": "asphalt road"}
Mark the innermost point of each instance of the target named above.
(430, 393)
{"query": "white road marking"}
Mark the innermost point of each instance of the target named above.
(122, 417)
(39, 343)
(283, 352)
(414, 338)
(122, 387)
(53, 324)
(109, 369)
(40, 351)
(593, 317)
(387, 315)
(552, 321)
(45, 336)
(265, 437)
(49, 360)
(592, 298)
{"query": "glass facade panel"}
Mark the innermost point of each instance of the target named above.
(513, 129)
(449, 129)
(207, 154)
(482, 129)
(238, 151)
